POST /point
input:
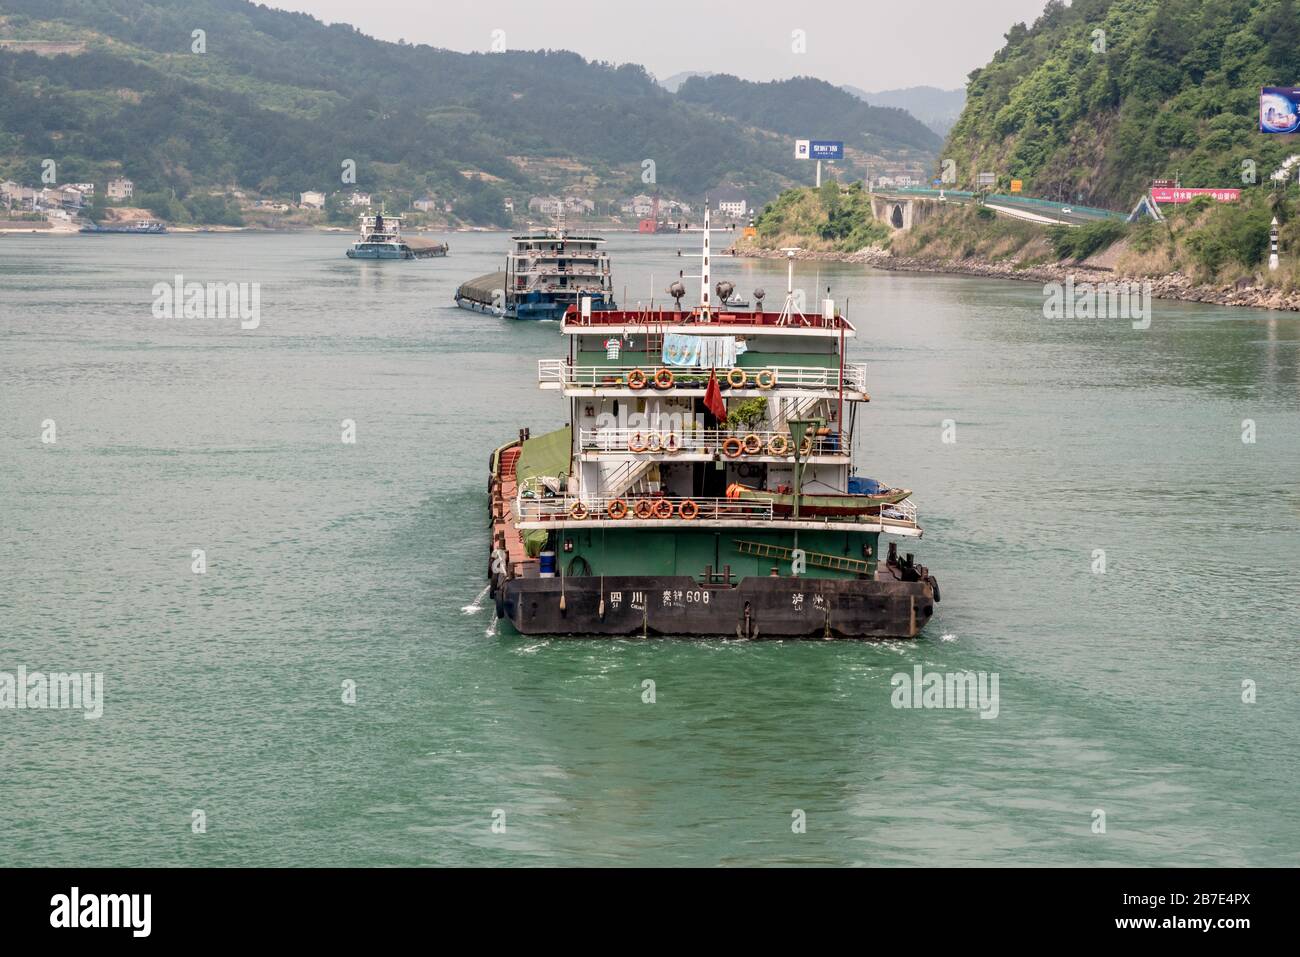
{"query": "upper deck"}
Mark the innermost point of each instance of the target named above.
(725, 322)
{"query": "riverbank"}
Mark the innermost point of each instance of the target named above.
(1175, 285)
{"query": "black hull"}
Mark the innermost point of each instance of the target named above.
(756, 608)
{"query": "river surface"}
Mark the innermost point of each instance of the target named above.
(336, 569)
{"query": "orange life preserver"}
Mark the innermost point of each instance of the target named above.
(807, 445)
(654, 443)
(770, 379)
(643, 509)
(732, 447)
(636, 379)
(617, 509)
(734, 490)
(779, 445)
(578, 512)
(663, 378)
(688, 510)
(636, 443)
(663, 508)
(671, 442)
(753, 444)
(736, 378)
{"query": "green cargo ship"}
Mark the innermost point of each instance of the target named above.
(704, 486)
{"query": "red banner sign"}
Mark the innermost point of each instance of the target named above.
(1182, 194)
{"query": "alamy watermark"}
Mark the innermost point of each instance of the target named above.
(213, 300)
(959, 689)
(53, 691)
(1098, 300)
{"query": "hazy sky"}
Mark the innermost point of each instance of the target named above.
(869, 44)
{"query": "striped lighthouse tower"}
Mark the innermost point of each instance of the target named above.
(1272, 254)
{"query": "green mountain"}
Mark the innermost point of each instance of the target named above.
(275, 102)
(809, 108)
(1095, 99)
(938, 109)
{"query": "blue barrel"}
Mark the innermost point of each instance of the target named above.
(547, 564)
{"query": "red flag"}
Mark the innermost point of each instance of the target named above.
(713, 397)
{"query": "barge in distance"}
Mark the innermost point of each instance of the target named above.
(704, 487)
(545, 274)
(381, 238)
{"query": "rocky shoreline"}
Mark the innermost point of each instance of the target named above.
(1173, 286)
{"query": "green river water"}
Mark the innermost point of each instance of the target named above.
(330, 562)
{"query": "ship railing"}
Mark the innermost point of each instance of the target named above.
(722, 316)
(603, 507)
(903, 513)
(671, 440)
(797, 377)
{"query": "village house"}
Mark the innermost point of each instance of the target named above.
(312, 199)
(120, 189)
(359, 199)
(545, 205)
(729, 202)
(425, 204)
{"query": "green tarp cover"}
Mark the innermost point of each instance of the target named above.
(545, 456)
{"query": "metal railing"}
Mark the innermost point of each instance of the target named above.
(548, 510)
(706, 442)
(669, 508)
(792, 377)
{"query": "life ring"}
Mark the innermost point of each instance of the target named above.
(636, 379)
(643, 509)
(688, 510)
(736, 378)
(663, 378)
(778, 445)
(578, 512)
(654, 442)
(671, 442)
(734, 490)
(753, 444)
(663, 508)
(636, 442)
(732, 447)
(806, 447)
(617, 509)
(765, 379)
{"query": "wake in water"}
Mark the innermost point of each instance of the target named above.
(476, 605)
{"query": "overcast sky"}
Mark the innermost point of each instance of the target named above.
(867, 43)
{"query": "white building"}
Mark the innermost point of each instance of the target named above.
(312, 199)
(545, 205)
(426, 204)
(359, 199)
(120, 189)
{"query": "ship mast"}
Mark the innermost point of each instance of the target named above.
(706, 307)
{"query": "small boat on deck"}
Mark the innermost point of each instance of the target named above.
(813, 504)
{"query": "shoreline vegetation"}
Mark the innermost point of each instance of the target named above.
(1203, 251)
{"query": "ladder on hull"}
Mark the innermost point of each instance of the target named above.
(860, 566)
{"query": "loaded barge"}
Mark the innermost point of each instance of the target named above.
(704, 486)
(381, 238)
(545, 273)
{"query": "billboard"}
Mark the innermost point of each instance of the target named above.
(1181, 194)
(987, 179)
(818, 149)
(1279, 109)
(1017, 185)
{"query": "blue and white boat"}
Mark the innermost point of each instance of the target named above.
(546, 273)
(381, 238)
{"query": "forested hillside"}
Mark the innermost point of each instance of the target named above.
(1095, 99)
(276, 101)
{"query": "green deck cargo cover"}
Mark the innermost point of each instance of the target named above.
(545, 456)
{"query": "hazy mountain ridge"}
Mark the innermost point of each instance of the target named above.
(278, 100)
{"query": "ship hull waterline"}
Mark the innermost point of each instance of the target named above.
(678, 606)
